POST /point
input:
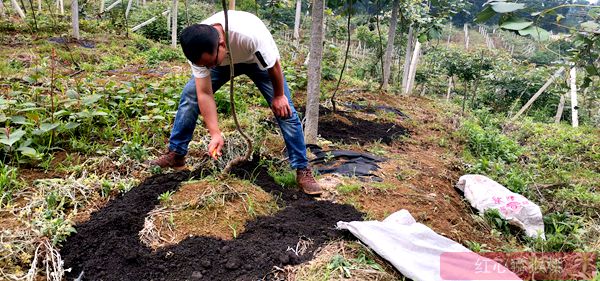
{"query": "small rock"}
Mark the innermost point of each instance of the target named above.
(248, 267)
(205, 263)
(232, 263)
(225, 249)
(196, 275)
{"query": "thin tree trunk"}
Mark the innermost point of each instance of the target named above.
(187, 13)
(560, 109)
(407, 57)
(75, 18)
(174, 25)
(232, 5)
(387, 61)
(380, 48)
(413, 67)
(35, 24)
(539, 92)
(101, 6)
(62, 7)
(297, 20)
(17, 8)
(313, 91)
(574, 107)
(345, 58)
(39, 2)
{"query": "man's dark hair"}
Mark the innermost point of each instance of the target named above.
(197, 39)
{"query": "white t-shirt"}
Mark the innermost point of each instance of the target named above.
(249, 39)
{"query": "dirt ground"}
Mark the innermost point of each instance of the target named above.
(107, 247)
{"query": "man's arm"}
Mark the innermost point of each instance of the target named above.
(280, 105)
(208, 110)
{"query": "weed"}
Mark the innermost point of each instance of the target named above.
(165, 198)
(9, 183)
(348, 188)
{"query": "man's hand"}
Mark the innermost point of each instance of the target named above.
(215, 146)
(281, 107)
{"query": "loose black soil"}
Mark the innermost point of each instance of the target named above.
(358, 131)
(107, 246)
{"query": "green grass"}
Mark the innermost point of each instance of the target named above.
(556, 166)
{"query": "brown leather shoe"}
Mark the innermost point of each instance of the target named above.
(169, 160)
(307, 182)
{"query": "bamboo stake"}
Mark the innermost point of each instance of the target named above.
(128, 8)
(539, 92)
(574, 107)
(2, 12)
(17, 8)
(114, 4)
(151, 20)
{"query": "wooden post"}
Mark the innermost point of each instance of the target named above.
(232, 5)
(466, 29)
(413, 68)
(62, 6)
(407, 57)
(559, 110)
(75, 18)
(539, 92)
(174, 25)
(574, 107)
(297, 20)
(39, 5)
(450, 87)
(101, 6)
(17, 8)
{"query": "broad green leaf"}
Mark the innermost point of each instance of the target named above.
(46, 127)
(537, 33)
(21, 120)
(13, 137)
(61, 113)
(99, 113)
(29, 152)
(30, 109)
(89, 100)
(590, 26)
(71, 125)
(486, 14)
(506, 7)
(515, 23)
(29, 79)
(72, 94)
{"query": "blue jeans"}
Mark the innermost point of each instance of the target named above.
(187, 112)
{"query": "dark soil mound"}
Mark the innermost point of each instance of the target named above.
(107, 246)
(346, 128)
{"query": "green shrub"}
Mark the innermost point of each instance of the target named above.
(489, 143)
